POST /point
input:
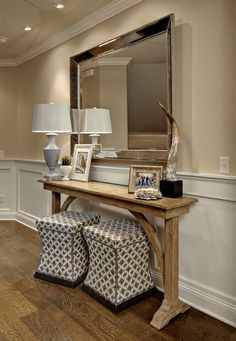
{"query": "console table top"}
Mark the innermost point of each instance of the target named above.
(116, 192)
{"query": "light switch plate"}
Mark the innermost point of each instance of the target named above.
(224, 164)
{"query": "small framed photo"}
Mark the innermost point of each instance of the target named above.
(81, 162)
(144, 177)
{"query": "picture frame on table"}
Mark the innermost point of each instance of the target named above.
(144, 177)
(81, 162)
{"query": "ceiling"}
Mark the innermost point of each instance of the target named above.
(48, 22)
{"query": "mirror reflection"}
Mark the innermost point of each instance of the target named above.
(128, 78)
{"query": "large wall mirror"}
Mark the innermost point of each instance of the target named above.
(127, 75)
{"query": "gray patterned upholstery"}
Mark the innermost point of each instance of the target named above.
(118, 261)
(64, 251)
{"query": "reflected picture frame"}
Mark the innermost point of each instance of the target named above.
(81, 162)
(144, 177)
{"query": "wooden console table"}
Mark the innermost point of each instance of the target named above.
(170, 209)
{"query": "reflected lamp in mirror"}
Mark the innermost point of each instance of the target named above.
(51, 119)
(95, 122)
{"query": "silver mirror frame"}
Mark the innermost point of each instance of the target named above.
(162, 25)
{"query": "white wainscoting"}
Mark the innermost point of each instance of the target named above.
(7, 189)
(207, 234)
(21, 197)
(31, 199)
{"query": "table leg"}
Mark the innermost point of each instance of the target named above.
(56, 202)
(152, 236)
(171, 305)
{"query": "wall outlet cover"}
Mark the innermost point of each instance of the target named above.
(224, 164)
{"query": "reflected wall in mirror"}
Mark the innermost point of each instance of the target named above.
(127, 75)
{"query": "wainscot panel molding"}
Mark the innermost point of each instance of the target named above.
(7, 189)
(207, 233)
(32, 201)
(21, 197)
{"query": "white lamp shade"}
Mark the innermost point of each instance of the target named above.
(51, 118)
(95, 121)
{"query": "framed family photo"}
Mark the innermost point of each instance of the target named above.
(144, 177)
(81, 162)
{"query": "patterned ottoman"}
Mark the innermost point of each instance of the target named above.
(64, 257)
(118, 273)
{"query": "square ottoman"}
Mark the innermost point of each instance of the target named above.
(64, 255)
(118, 273)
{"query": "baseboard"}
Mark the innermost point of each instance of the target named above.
(205, 299)
(25, 220)
(7, 215)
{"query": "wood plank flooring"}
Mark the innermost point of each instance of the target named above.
(32, 309)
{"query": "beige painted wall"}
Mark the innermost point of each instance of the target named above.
(42, 80)
(8, 100)
(205, 78)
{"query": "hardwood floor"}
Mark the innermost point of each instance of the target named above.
(31, 309)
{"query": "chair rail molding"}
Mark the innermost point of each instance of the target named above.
(207, 234)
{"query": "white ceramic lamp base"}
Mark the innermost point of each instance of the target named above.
(51, 155)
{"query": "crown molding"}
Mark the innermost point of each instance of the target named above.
(7, 62)
(91, 20)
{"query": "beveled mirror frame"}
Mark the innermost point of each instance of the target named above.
(162, 25)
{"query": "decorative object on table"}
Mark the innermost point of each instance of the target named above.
(95, 121)
(170, 186)
(147, 194)
(66, 167)
(144, 177)
(81, 162)
(96, 148)
(171, 189)
(51, 119)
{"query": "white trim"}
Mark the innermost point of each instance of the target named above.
(209, 186)
(7, 214)
(208, 176)
(105, 12)
(203, 298)
(25, 219)
(7, 62)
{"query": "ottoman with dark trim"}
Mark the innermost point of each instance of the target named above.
(64, 255)
(118, 273)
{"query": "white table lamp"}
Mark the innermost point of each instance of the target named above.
(95, 121)
(51, 119)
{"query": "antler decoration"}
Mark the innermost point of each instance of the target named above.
(172, 157)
